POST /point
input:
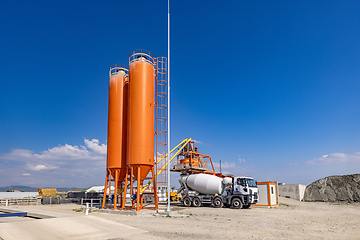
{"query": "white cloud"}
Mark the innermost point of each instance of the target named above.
(17, 155)
(293, 164)
(70, 152)
(336, 158)
(196, 141)
(95, 146)
(241, 159)
(225, 165)
(65, 152)
(71, 165)
(40, 167)
(233, 168)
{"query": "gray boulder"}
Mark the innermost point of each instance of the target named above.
(334, 188)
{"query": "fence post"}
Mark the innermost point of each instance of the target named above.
(87, 209)
(91, 204)
(6, 204)
(81, 203)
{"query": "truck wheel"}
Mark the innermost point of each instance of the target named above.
(217, 202)
(236, 203)
(196, 202)
(187, 202)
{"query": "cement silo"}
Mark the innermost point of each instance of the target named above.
(141, 115)
(131, 127)
(117, 127)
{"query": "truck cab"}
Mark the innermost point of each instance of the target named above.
(242, 193)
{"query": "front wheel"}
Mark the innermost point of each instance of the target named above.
(187, 202)
(217, 202)
(236, 203)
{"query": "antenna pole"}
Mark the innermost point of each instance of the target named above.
(168, 145)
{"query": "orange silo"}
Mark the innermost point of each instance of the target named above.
(141, 113)
(117, 127)
(131, 129)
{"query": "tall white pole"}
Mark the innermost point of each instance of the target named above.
(168, 146)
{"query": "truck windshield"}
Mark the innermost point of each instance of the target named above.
(251, 183)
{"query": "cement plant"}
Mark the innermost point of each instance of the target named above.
(136, 201)
(135, 195)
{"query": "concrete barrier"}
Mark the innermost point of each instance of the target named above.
(294, 191)
(20, 201)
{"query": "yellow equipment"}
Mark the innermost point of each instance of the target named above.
(47, 192)
(174, 197)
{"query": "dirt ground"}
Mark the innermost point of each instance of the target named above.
(290, 220)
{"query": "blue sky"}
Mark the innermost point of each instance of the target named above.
(270, 88)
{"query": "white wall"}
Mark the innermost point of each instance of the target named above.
(294, 191)
(18, 194)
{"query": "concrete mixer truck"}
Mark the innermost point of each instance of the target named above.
(234, 192)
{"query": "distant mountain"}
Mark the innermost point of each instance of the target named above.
(35, 189)
(19, 188)
(59, 189)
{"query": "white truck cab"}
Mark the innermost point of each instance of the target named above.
(242, 193)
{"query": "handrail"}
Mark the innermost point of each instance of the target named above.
(147, 185)
(172, 150)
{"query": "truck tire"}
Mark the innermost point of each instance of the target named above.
(217, 202)
(187, 202)
(196, 202)
(236, 203)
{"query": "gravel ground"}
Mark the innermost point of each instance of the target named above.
(290, 220)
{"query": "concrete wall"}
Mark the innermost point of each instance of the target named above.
(18, 194)
(294, 191)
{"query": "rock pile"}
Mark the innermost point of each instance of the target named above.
(334, 188)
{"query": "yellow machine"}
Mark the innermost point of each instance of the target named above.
(47, 192)
(174, 197)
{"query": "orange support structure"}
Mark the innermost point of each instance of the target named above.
(161, 117)
(189, 160)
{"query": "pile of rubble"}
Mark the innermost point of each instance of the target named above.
(334, 188)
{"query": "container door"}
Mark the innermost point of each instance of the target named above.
(272, 195)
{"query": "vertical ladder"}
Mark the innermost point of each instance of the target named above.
(161, 116)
